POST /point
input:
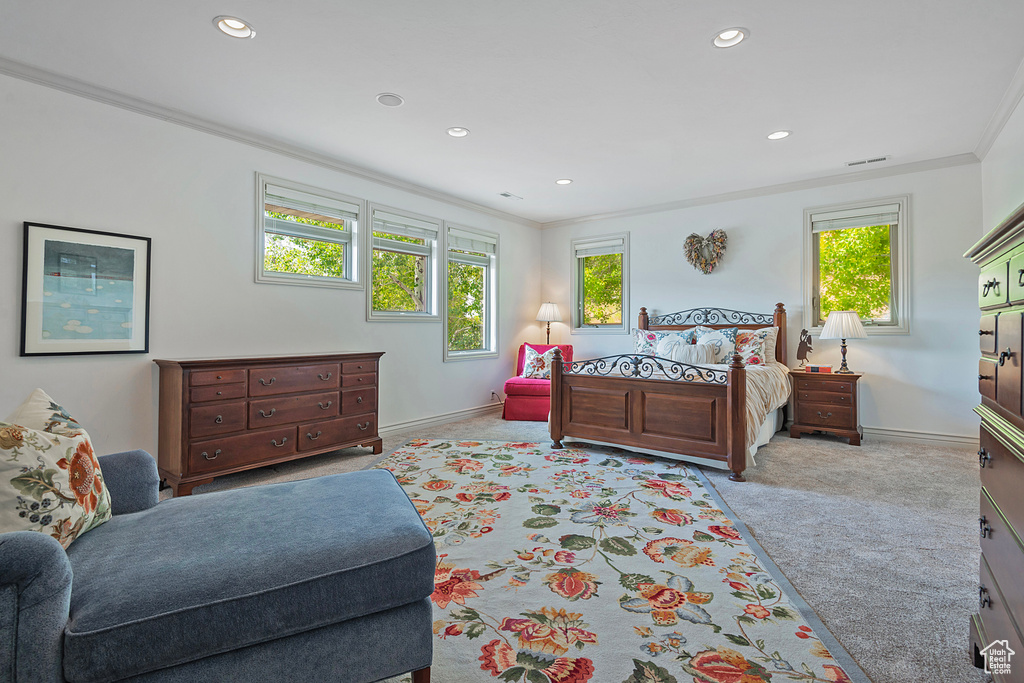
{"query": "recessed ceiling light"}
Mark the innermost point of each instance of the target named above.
(458, 132)
(563, 181)
(730, 37)
(234, 27)
(390, 99)
(779, 134)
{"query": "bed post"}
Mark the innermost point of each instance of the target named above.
(643, 321)
(737, 416)
(780, 342)
(555, 416)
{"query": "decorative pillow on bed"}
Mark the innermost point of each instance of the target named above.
(693, 354)
(757, 347)
(724, 341)
(645, 342)
(538, 365)
(50, 479)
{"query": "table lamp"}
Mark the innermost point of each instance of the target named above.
(843, 325)
(548, 313)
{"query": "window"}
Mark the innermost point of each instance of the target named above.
(470, 322)
(403, 269)
(306, 236)
(600, 272)
(858, 262)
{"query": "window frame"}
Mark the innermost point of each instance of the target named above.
(353, 243)
(490, 293)
(576, 265)
(899, 249)
(431, 251)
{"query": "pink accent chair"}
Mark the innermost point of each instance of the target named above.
(527, 398)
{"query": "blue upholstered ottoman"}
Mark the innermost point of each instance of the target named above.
(326, 578)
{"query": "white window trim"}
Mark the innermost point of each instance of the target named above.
(432, 314)
(901, 282)
(354, 243)
(575, 313)
(491, 292)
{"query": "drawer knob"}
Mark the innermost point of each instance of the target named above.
(324, 378)
(993, 285)
(219, 419)
(824, 417)
(272, 411)
(359, 379)
(211, 457)
(284, 439)
(984, 527)
(312, 437)
(325, 407)
(1005, 355)
(364, 427)
(266, 383)
(983, 599)
(982, 333)
(983, 458)
(220, 393)
(220, 377)
(359, 399)
(982, 378)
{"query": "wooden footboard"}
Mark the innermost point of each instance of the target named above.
(695, 411)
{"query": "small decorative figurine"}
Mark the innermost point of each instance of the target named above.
(704, 253)
(804, 347)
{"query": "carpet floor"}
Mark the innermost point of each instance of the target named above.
(881, 540)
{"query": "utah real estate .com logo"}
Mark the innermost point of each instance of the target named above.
(997, 657)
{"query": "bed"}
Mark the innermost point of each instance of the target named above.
(674, 409)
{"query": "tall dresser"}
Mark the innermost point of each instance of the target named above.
(1000, 617)
(226, 415)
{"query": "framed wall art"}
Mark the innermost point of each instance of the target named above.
(84, 291)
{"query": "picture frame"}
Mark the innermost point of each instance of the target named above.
(84, 291)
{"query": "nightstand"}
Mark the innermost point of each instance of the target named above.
(825, 402)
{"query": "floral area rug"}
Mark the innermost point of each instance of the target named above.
(574, 565)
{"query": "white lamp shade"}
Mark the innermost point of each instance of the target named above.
(548, 313)
(843, 325)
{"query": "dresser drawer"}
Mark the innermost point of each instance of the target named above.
(826, 397)
(992, 286)
(366, 380)
(1002, 551)
(1003, 476)
(216, 392)
(829, 383)
(987, 378)
(997, 619)
(339, 431)
(220, 418)
(355, 401)
(1008, 370)
(825, 415)
(1015, 278)
(267, 412)
(987, 334)
(203, 377)
(359, 367)
(236, 451)
(286, 379)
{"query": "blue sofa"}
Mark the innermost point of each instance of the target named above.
(326, 579)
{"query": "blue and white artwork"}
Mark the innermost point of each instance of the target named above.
(88, 291)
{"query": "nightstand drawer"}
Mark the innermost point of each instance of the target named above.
(825, 415)
(825, 382)
(825, 397)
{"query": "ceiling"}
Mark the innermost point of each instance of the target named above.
(627, 97)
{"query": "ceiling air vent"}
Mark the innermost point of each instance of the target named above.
(863, 162)
(509, 195)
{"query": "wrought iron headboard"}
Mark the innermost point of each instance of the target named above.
(718, 318)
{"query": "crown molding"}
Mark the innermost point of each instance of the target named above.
(781, 188)
(120, 100)
(1007, 105)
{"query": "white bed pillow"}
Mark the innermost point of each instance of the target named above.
(724, 341)
(694, 354)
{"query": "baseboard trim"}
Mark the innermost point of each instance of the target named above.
(911, 436)
(441, 419)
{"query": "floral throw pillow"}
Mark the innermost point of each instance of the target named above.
(537, 365)
(724, 341)
(757, 347)
(646, 342)
(50, 479)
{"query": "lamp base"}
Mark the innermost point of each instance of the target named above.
(844, 369)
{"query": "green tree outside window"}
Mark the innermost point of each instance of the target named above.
(855, 272)
(602, 289)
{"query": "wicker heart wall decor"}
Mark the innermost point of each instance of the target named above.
(704, 253)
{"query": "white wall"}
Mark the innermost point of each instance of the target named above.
(922, 382)
(1002, 172)
(70, 161)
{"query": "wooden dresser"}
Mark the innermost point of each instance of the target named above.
(827, 402)
(1000, 614)
(230, 414)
